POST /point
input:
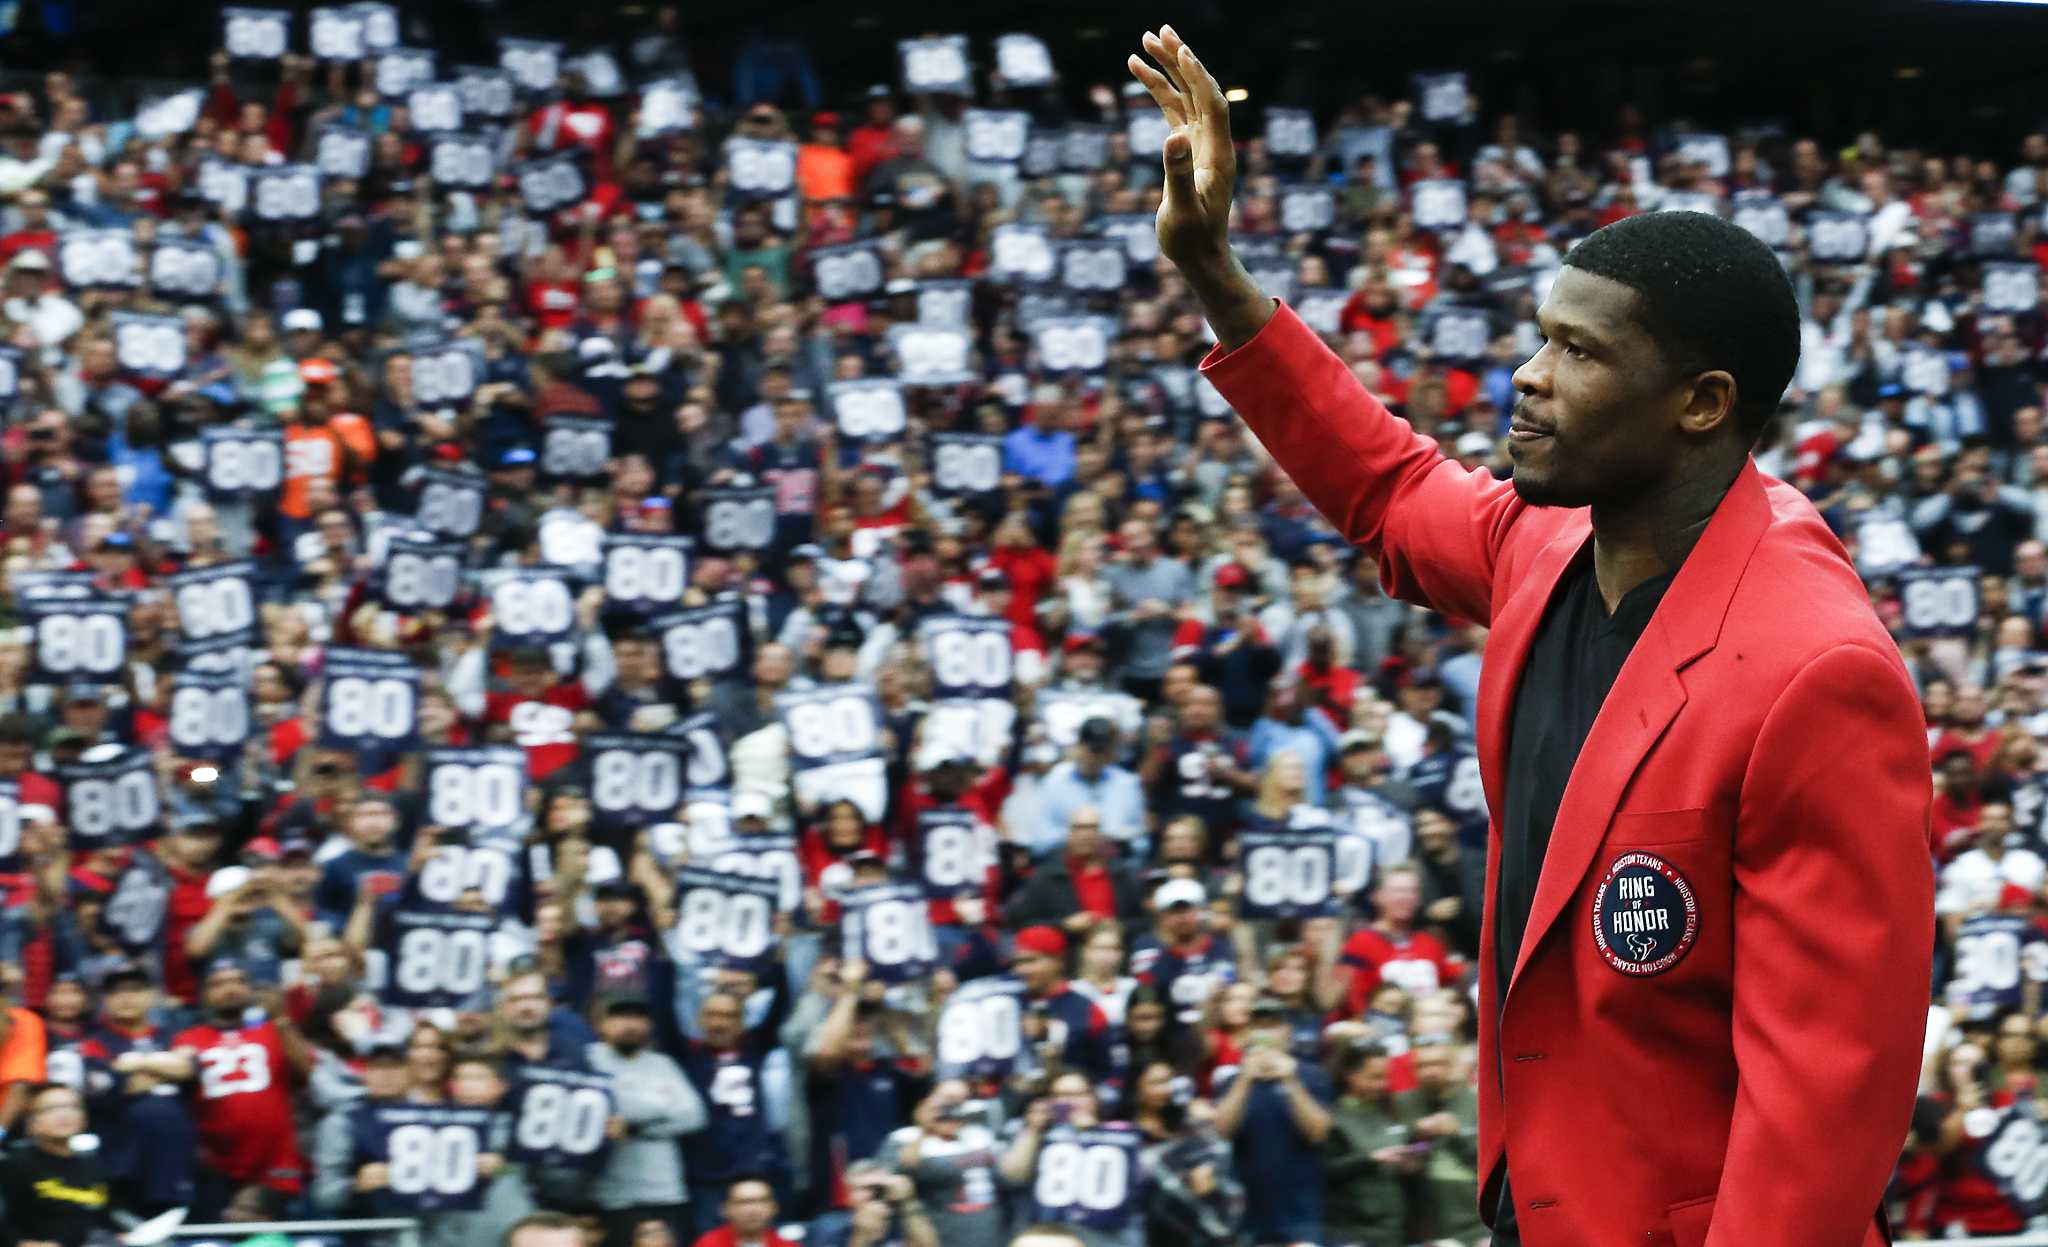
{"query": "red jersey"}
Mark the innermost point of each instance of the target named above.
(544, 726)
(828, 871)
(1417, 962)
(982, 801)
(1968, 1198)
(188, 904)
(243, 1105)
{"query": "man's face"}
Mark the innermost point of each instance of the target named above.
(128, 1001)
(385, 1078)
(66, 1002)
(475, 1086)
(749, 1206)
(1037, 971)
(1202, 710)
(1435, 1065)
(372, 825)
(1398, 897)
(1182, 922)
(1369, 1080)
(722, 1020)
(1084, 835)
(625, 1030)
(1602, 392)
(526, 1004)
(227, 992)
(56, 1115)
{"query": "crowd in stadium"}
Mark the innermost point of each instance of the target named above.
(585, 657)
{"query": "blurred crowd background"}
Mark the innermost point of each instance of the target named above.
(636, 623)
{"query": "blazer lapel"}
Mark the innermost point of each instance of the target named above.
(1646, 696)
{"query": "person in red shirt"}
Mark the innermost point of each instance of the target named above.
(540, 709)
(1391, 950)
(749, 1210)
(188, 854)
(826, 850)
(1029, 567)
(35, 231)
(1952, 824)
(874, 140)
(248, 1144)
(576, 120)
(1967, 730)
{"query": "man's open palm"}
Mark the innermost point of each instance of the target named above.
(1201, 165)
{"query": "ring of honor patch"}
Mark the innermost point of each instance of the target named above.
(1645, 917)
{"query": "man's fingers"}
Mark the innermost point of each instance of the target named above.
(1168, 59)
(1163, 94)
(1170, 39)
(1179, 151)
(1205, 97)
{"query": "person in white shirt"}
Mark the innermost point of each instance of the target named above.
(51, 317)
(1973, 882)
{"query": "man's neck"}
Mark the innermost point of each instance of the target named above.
(59, 1148)
(1652, 534)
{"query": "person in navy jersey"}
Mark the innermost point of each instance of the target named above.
(792, 463)
(1070, 1101)
(858, 1093)
(1065, 1025)
(1447, 776)
(1181, 958)
(536, 1031)
(641, 696)
(1196, 767)
(1274, 1108)
(349, 1174)
(726, 1063)
(373, 856)
(621, 953)
(147, 1140)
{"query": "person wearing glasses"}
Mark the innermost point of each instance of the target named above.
(51, 1193)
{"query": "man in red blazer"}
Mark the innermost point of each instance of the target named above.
(1705, 960)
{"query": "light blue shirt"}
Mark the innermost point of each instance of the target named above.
(1115, 793)
(1047, 458)
(1314, 738)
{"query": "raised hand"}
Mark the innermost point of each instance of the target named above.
(1201, 164)
(1201, 172)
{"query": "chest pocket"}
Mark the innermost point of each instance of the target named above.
(1643, 830)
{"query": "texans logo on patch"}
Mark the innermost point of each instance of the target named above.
(1645, 917)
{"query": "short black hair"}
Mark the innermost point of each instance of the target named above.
(1712, 294)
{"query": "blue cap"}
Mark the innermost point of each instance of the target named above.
(1891, 390)
(220, 394)
(117, 540)
(515, 457)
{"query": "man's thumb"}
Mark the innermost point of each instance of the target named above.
(1179, 150)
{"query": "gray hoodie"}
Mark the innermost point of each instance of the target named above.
(659, 1105)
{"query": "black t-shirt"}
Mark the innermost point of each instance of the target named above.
(1578, 652)
(50, 1199)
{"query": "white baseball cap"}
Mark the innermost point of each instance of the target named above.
(751, 805)
(303, 319)
(1179, 892)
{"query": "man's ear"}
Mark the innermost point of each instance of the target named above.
(1711, 403)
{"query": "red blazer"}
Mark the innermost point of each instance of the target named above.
(1751, 1083)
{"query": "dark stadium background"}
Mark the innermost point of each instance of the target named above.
(1955, 73)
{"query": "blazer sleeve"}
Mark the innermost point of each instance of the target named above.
(1435, 528)
(1834, 932)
